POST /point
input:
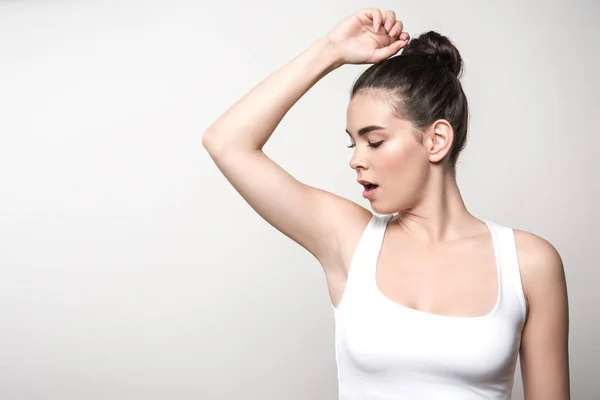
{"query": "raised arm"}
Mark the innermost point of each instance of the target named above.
(312, 217)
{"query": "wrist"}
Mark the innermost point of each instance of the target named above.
(329, 52)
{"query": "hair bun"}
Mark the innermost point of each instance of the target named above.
(438, 48)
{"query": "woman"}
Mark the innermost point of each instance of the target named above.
(430, 302)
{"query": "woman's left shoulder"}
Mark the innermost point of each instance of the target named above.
(535, 252)
(541, 266)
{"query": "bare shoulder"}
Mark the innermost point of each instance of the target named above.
(541, 265)
(535, 251)
(544, 350)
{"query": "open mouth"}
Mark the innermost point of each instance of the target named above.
(370, 186)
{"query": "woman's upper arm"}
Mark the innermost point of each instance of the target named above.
(312, 217)
(544, 349)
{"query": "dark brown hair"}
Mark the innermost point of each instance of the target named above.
(422, 85)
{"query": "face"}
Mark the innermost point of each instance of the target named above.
(388, 155)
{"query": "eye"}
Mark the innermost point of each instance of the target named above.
(376, 144)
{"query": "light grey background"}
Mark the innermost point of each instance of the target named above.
(130, 269)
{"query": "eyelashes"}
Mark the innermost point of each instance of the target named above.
(376, 144)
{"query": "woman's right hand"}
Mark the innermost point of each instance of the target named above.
(368, 36)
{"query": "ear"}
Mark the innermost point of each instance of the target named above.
(439, 140)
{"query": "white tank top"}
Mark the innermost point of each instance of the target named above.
(385, 350)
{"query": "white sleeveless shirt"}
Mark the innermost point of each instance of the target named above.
(385, 350)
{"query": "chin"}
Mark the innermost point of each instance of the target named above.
(381, 209)
(386, 209)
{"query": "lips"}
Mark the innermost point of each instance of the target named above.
(367, 185)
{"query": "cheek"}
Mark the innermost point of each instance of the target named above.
(406, 166)
(402, 159)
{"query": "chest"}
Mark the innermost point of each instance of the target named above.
(386, 341)
(458, 279)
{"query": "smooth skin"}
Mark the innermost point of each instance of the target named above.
(415, 182)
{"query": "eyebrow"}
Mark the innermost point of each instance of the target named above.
(366, 129)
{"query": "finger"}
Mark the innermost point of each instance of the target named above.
(396, 29)
(380, 19)
(375, 15)
(365, 17)
(390, 20)
(400, 26)
(387, 52)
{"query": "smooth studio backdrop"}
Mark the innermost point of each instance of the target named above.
(131, 269)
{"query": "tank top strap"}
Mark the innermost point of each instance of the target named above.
(362, 265)
(513, 296)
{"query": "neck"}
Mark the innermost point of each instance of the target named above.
(440, 214)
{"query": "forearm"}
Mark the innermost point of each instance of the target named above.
(249, 123)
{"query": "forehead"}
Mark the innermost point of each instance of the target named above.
(370, 108)
(368, 103)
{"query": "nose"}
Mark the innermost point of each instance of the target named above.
(357, 161)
